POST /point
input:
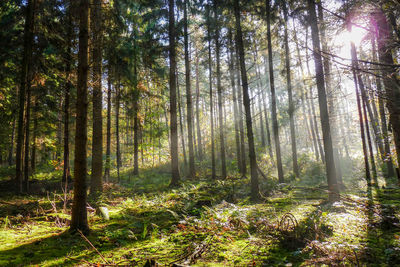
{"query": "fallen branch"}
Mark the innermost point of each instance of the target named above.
(90, 243)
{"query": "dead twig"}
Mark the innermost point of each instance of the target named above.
(90, 243)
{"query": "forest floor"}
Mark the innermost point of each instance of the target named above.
(202, 223)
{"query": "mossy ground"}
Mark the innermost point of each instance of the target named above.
(205, 223)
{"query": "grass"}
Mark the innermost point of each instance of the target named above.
(206, 223)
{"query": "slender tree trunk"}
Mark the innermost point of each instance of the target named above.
(35, 129)
(68, 85)
(324, 115)
(136, 96)
(363, 114)
(362, 131)
(181, 122)
(259, 93)
(11, 150)
(199, 141)
(290, 94)
(97, 143)
(387, 158)
(27, 138)
(267, 84)
(172, 87)
(273, 96)
(117, 107)
(213, 169)
(240, 109)
(235, 107)
(108, 138)
(26, 66)
(332, 110)
(219, 91)
(390, 81)
(79, 213)
(246, 101)
(192, 171)
(318, 148)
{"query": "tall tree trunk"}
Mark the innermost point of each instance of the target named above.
(79, 213)
(34, 132)
(108, 134)
(199, 141)
(246, 101)
(136, 96)
(213, 169)
(267, 85)
(392, 84)
(387, 158)
(11, 150)
(258, 94)
(273, 96)
(219, 91)
(362, 131)
(25, 70)
(310, 129)
(235, 107)
(172, 87)
(240, 109)
(117, 107)
(97, 143)
(27, 138)
(311, 108)
(192, 171)
(67, 90)
(181, 122)
(332, 110)
(363, 114)
(323, 107)
(290, 95)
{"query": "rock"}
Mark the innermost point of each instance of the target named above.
(104, 212)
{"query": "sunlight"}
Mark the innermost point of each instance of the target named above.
(356, 35)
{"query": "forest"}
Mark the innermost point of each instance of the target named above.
(199, 133)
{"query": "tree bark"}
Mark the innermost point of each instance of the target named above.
(390, 81)
(273, 96)
(68, 85)
(219, 92)
(323, 107)
(108, 134)
(387, 158)
(235, 107)
(172, 87)
(213, 169)
(246, 101)
(189, 115)
(290, 94)
(199, 141)
(117, 107)
(79, 213)
(26, 66)
(97, 143)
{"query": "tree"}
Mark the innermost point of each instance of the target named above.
(189, 114)
(97, 146)
(79, 213)
(219, 89)
(25, 70)
(275, 126)
(246, 102)
(290, 94)
(172, 94)
(390, 81)
(323, 107)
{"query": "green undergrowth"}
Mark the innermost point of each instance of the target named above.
(206, 223)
